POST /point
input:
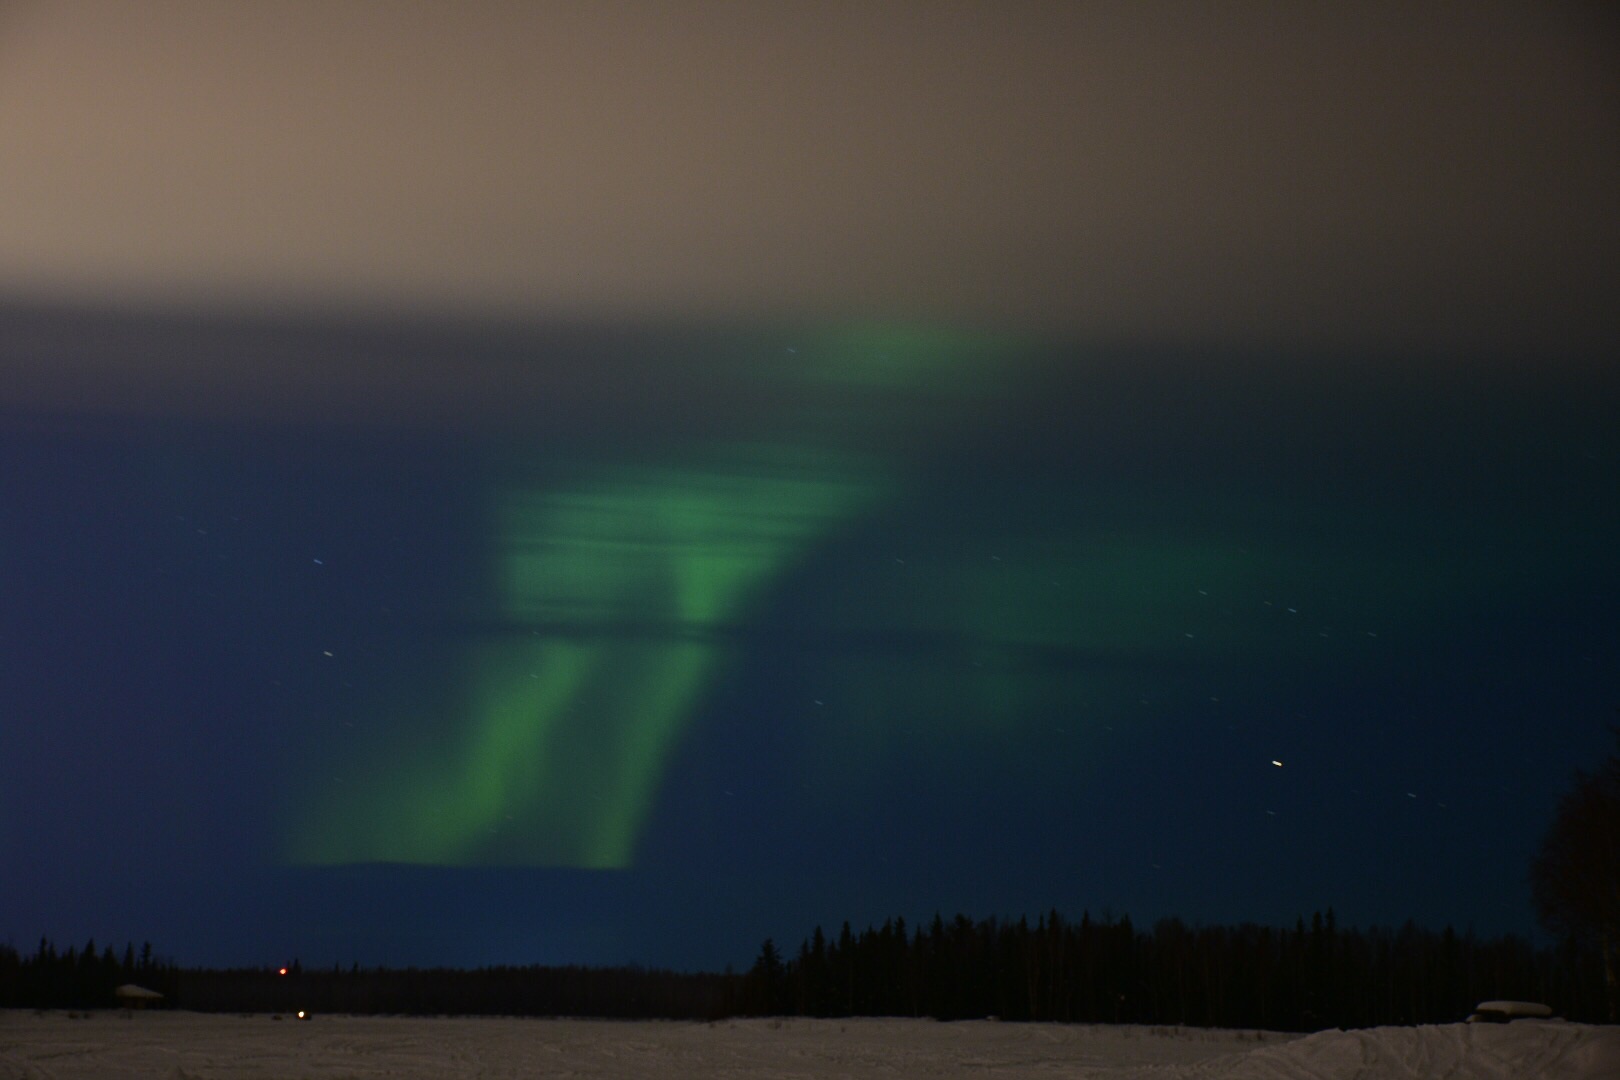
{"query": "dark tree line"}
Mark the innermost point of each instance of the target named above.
(79, 978)
(1312, 976)
(625, 993)
(86, 979)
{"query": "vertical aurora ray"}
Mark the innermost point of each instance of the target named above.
(651, 569)
(617, 598)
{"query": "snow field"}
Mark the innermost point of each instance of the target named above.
(192, 1046)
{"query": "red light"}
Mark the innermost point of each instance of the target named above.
(283, 971)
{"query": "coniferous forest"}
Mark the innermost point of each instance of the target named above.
(1307, 977)
(1314, 975)
(80, 978)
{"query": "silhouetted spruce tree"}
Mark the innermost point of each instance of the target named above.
(1575, 877)
(767, 982)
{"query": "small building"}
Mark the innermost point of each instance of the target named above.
(131, 996)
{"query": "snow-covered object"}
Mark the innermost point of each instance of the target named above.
(1532, 1049)
(131, 992)
(1502, 1011)
(54, 1046)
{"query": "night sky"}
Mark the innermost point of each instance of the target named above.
(497, 483)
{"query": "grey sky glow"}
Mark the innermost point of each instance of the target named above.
(1388, 175)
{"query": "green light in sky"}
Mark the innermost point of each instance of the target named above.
(618, 588)
(649, 570)
(905, 357)
(618, 594)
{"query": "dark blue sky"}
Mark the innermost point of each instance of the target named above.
(1046, 660)
(587, 483)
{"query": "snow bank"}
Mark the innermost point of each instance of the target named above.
(1545, 1050)
(186, 1046)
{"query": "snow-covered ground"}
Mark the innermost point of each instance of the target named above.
(178, 1046)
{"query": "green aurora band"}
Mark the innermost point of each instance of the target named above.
(617, 593)
(622, 595)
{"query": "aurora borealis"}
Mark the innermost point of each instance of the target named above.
(588, 483)
(965, 634)
(616, 600)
